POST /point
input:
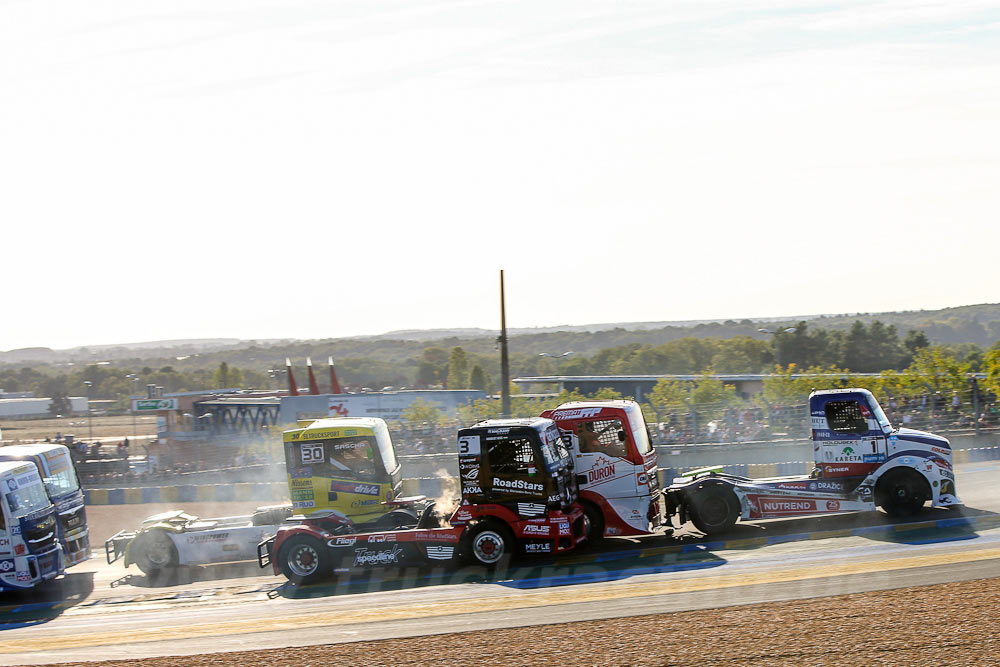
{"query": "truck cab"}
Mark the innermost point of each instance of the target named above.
(63, 488)
(347, 465)
(518, 488)
(854, 443)
(615, 464)
(30, 552)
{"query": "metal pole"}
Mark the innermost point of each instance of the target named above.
(504, 362)
(90, 416)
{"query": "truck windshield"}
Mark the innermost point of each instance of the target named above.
(638, 425)
(26, 499)
(353, 458)
(61, 478)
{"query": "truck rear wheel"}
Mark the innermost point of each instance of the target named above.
(153, 552)
(714, 509)
(304, 560)
(489, 544)
(901, 492)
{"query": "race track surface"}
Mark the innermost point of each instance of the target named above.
(234, 608)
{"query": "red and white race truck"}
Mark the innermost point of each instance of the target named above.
(861, 463)
(615, 464)
(519, 496)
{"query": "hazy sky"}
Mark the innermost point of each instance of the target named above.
(308, 168)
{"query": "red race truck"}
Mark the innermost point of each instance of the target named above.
(519, 496)
(615, 464)
(861, 463)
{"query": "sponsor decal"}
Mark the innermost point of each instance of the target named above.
(12, 485)
(611, 530)
(298, 483)
(833, 505)
(792, 485)
(538, 547)
(553, 499)
(365, 556)
(364, 503)
(564, 528)
(873, 458)
(466, 463)
(230, 547)
(23, 576)
(578, 413)
(787, 505)
(6, 565)
(463, 515)
(906, 461)
(4, 542)
(516, 485)
(437, 537)
(838, 468)
(600, 473)
(300, 473)
(342, 542)
(642, 479)
(829, 486)
(942, 452)
(498, 430)
(206, 538)
(471, 473)
(533, 529)
(15, 530)
(440, 552)
(382, 537)
(530, 509)
(947, 474)
(302, 494)
(352, 445)
(304, 504)
(354, 487)
(471, 489)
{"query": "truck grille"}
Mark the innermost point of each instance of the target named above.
(73, 520)
(41, 537)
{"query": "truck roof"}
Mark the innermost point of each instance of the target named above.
(29, 450)
(849, 390)
(15, 467)
(532, 422)
(342, 422)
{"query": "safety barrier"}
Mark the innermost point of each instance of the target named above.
(432, 487)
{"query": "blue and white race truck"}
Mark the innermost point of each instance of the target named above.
(30, 552)
(861, 463)
(63, 488)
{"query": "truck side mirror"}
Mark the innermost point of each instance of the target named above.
(621, 436)
(581, 479)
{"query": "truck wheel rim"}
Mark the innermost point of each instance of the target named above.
(488, 547)
(303, 560)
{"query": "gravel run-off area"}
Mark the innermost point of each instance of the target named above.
(946, 624)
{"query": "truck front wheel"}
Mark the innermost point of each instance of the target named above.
(901, 492)
(489, 544)
(153, 551)
(714, 509)
(595, 523)
(304, 559)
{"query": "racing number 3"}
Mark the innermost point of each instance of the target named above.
(468, 445)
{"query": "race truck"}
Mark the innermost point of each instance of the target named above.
(615, 463)
(30, 552)
(344, 469)
(63, 488)
(518, 496)
(861, 463)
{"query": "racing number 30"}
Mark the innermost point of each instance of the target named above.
(312, 453)
(468, 445)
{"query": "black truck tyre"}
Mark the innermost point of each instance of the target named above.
(304, 560)
(714, 509)
(595, 522)
(153, 551)
(902, 492)
(489, 544)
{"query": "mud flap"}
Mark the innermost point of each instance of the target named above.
(264, 552)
